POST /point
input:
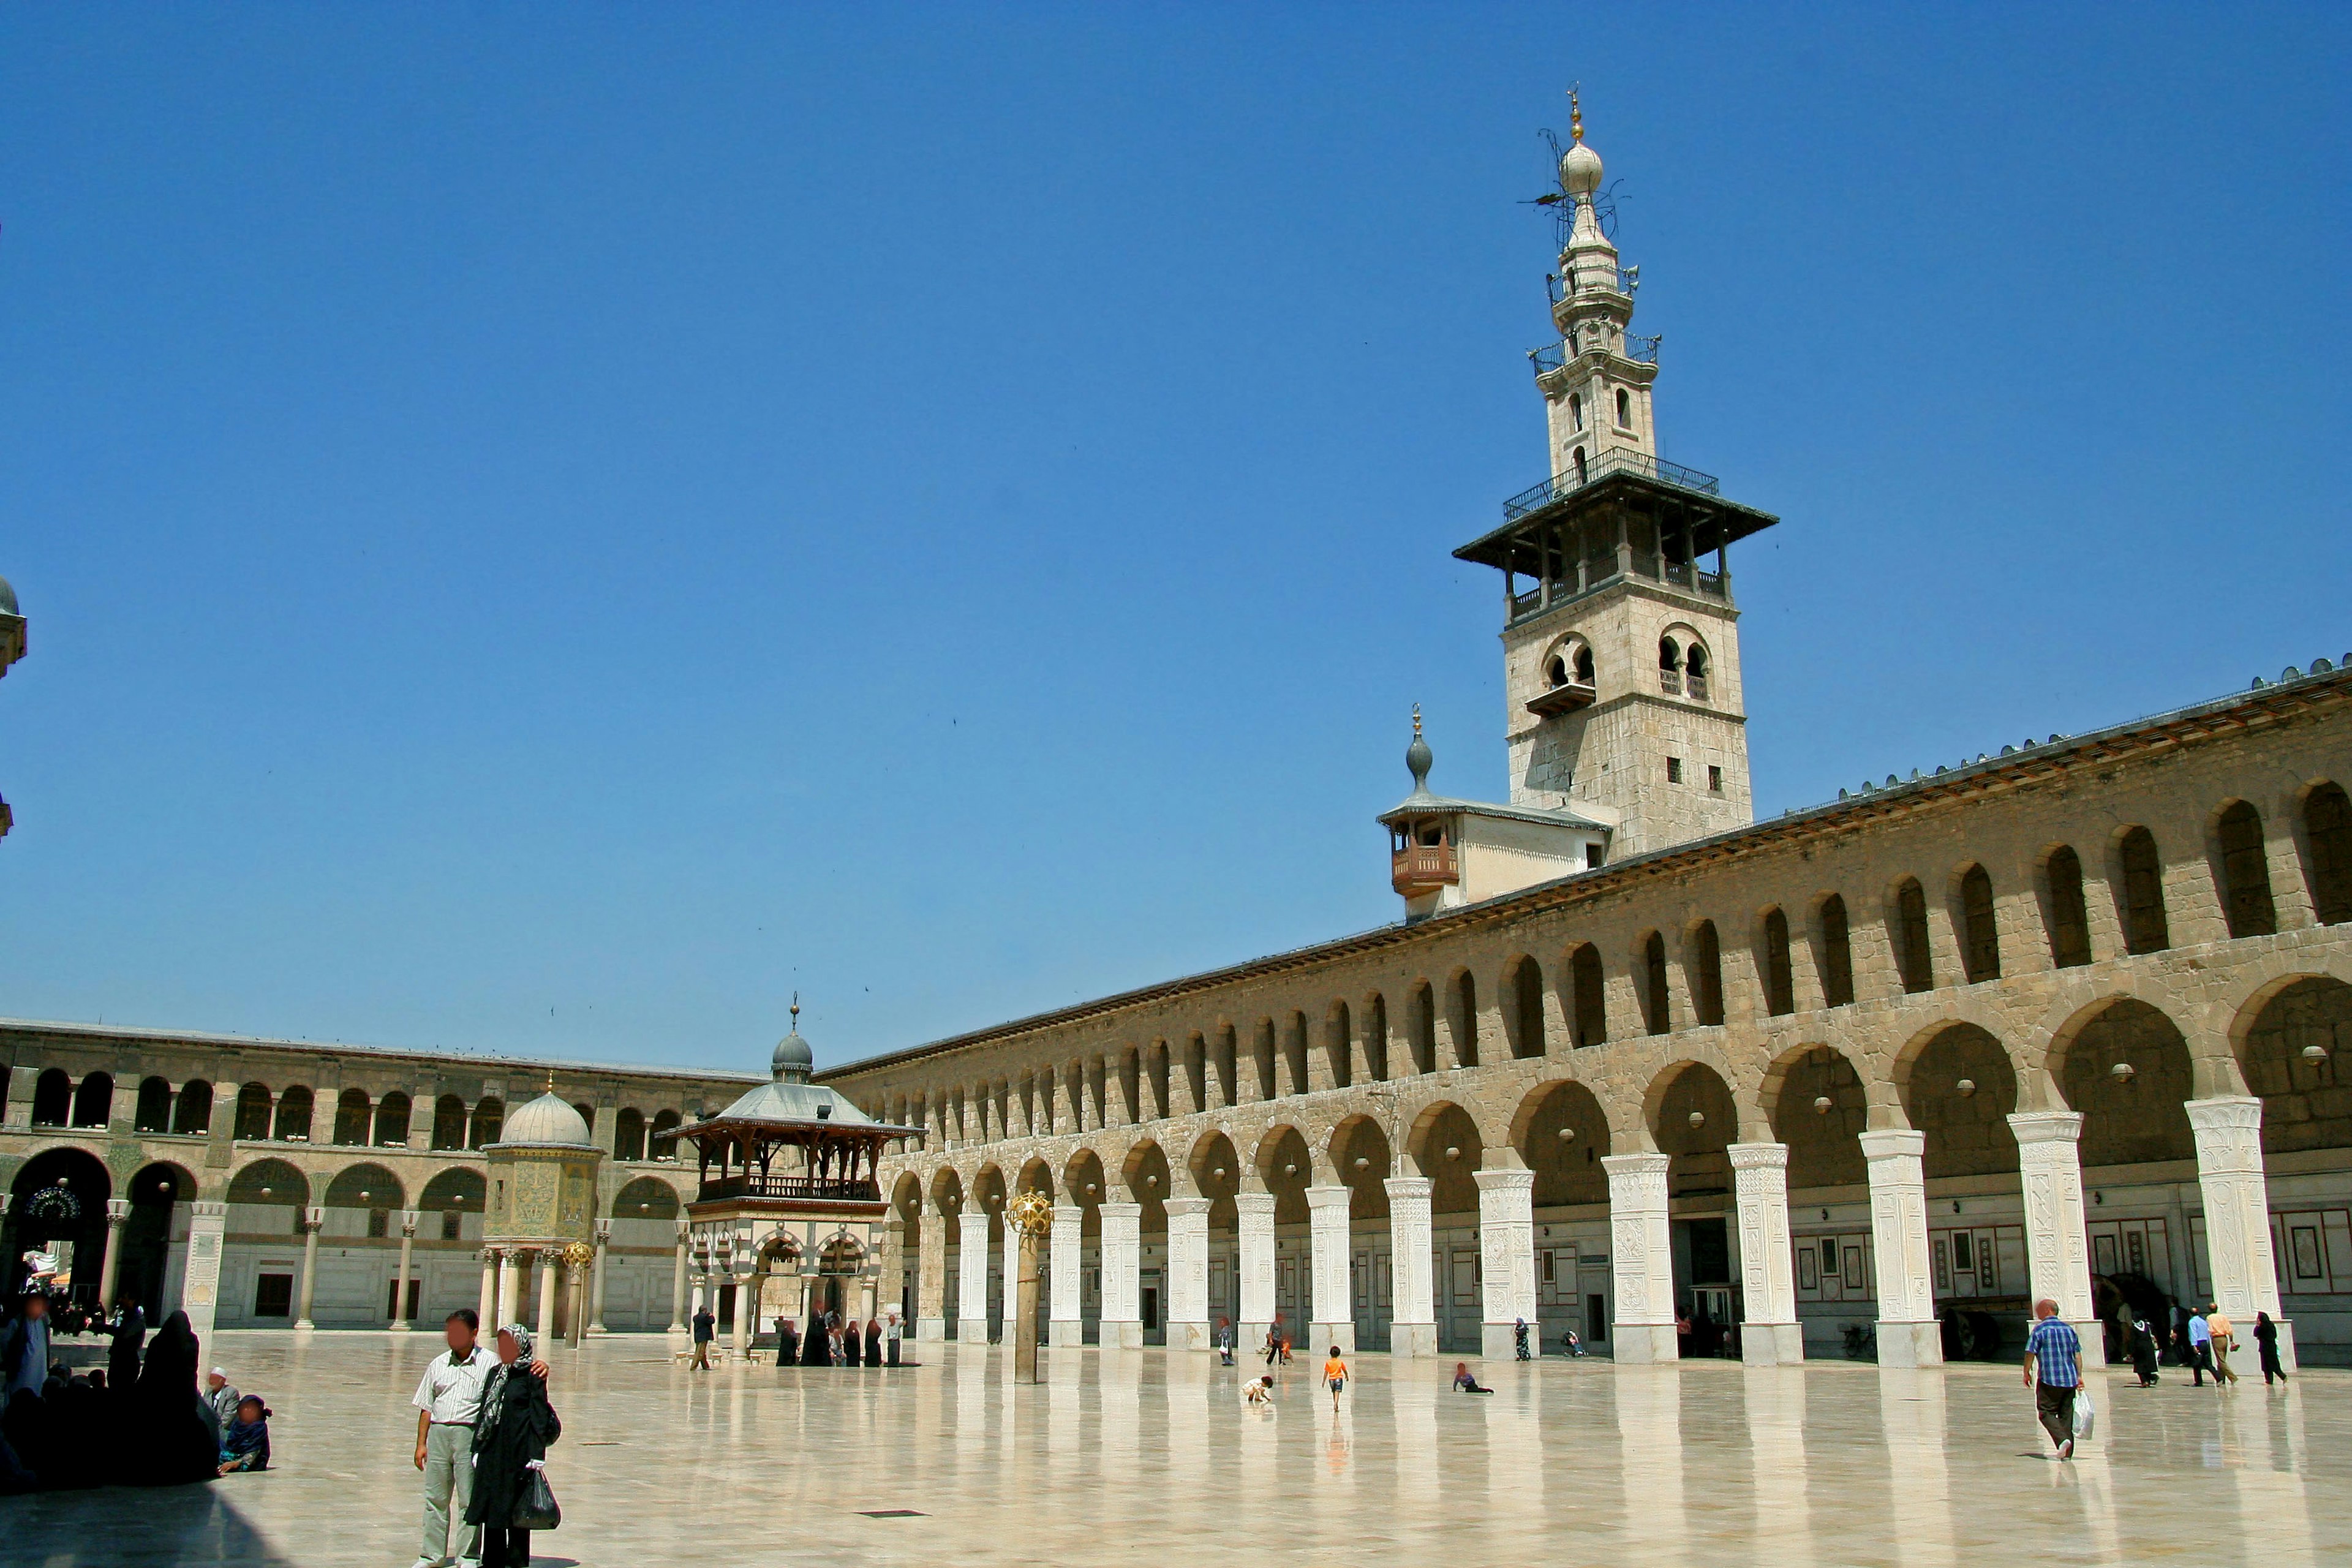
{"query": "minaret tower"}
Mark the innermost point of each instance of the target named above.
(1621, 652)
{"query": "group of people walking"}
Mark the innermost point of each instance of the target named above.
(483, 1428)
(139, 1421)
(830, 1340)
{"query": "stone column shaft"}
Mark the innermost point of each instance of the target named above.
(1188, 1274)
(1412, 1325)
(596, 1288)
(2057, 1233)
(1122, 1275)
(1770, 1334)
(1256, 1265)
(312, 1220)
(2230, 1177)
(510, 1304)
(678, 1283)
(1507, 1262)
(547, 1296)
(1065, 1323)
(1907, 1332)
(930, 1276)
(1329, 1251)
(972, 1278)
(487, 1310)
(1008, 1280)
(118, 1214)
(407, 1257)
(1642, 1260)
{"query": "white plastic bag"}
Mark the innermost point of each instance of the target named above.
(2086, 1416)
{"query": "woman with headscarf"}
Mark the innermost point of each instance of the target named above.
(852, 1343)
(812, 1342)
(511, 1439)
(172, 1435)
(788, 1343)
(872, 1341)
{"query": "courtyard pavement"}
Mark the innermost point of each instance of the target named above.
(1141, 1456)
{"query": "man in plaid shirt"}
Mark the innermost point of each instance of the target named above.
(2053, 1370)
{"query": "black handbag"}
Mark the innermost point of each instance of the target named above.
(535, 1505)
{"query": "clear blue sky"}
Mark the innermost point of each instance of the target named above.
(546, 529)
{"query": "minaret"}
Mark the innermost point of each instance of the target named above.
(1621, 651)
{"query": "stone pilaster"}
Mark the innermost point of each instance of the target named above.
(1188, 1274)
(1412, 1324)
(1256, 1226)
(1507, 1262)
(1770, 1335)
(1908, 1333)
(1333, 1314)
(1122, 1278)
(1065, 1318)
(1642, 1260)
(200, 1292)
(2229, 1132)
(2057, 1240)
(930, 1276)
(972, 1278)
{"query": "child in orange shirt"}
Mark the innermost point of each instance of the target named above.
(1335, 1375)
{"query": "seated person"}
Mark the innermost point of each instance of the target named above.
(246, 1445)
(1465, 1384)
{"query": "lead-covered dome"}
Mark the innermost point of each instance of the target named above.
(546, 1120)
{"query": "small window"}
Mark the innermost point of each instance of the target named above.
(1911, 951)
(453, 1225)
(1674, 770)
(1624, 410)
(379, 1223)
(1584, 667)
(1714, 779)
(1575, 411)
(1591, 856)
(1579, 455)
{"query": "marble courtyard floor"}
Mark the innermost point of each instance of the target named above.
(1140, 1457)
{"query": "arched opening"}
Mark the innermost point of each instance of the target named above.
(1465, 1020)
(1959, 1092)
(152, 1110)
(1670, 666)
(93, 1101)
(1624, 410)
(1694, 672)
(489, 1120)
(1449, 1150)
(391, 1118)
(1779, 968)
(2146, 929)
(2068, 919)
(1820, 1110)
(1590, 1006)
(271, 1194)
(253, 1111)
(1579, 456)
(2327, 850)
(362, 1199)
(1376, 1036)
(1085, 1185)
(1420, 1015)
(352, 1117)
(2292, 1058)
(1216, 1174)
(1293, 1051)
(2245, 872)
(1563, 1137)
(646, 1197)
(1339, 1028)
(1556, 672)
(1706, 974)
(1694, 1124)
(1912, 960)
(293, 1123)
(1576, 411)
(451, 1196)
(1583, 666)
(1835, 949)
(1980, 934)
(52, 1099)
(657, 1146)
(142, 1267)
(449, 1123)
(192, 1115)
(629, 1134)
(1657, 1003)
(1523, 993)
(2127, 1071)
(57, 1209)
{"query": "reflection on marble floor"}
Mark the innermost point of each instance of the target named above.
(1141, 1456)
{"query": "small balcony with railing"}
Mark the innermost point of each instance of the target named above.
(790, 1189)
(1415, 870)
(1554, 357)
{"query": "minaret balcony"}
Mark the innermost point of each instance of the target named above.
(1419, 868)
(1563, 698)
(1555, 356)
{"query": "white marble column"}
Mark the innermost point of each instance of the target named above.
(1257, 1267)
(1332, 1314)
(1008, 1280)
(118, 1215)
(1122, 1276)
(407, 1259)
(596, 1288)
(2229, 1132)
(1642, 1259)
(677, 1280)
(313, 1218)
(1506, 1260)
(1188, 1274)
(1768, 1334)
(1413, 1323)
(486, 1310)
(1066, 1317)
(1907, 1332)
(200, 1292)
(972, 1278)
(547, 1296)
(2057, 1235)
(508, 1308)
(739, 1335)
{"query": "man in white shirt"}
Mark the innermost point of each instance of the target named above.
(447, 1401)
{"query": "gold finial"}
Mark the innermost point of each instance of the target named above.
(1416, 721)
(1575, 116)
(551, 1081)
(796, 1011)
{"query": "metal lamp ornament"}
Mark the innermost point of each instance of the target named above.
(1030, 1214)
